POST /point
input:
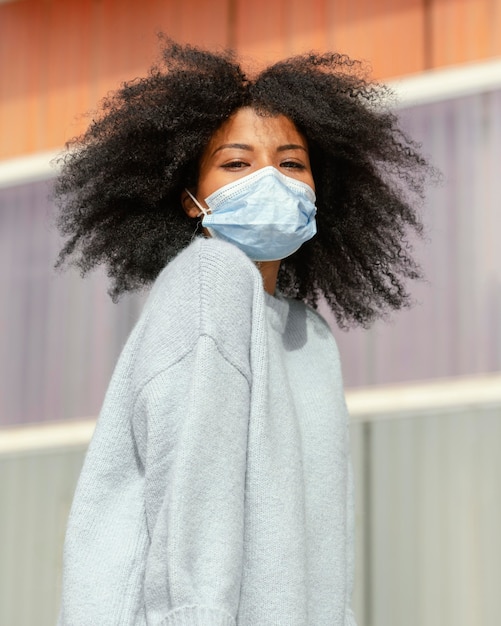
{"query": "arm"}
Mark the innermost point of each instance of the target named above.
(197, 418)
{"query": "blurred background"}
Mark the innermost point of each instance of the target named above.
(424, 388)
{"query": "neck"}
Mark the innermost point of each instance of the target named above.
(268, 269)
(269, 272)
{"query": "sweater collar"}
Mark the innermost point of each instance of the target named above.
(277, 310)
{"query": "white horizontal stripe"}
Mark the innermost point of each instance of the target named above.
(393, 401)
(366, 404)
(442, 84)
(27, 169)
(46, 436)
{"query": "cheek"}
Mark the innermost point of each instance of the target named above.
(208, 183)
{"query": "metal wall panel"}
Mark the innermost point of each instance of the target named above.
(461, 31)
(36, 490)
(433, 521)
(428, 547)
(60, 336)
(60, 57)
(455, 326)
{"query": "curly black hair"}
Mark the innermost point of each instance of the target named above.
(120, 184)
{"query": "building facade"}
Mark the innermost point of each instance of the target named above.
(427, 467)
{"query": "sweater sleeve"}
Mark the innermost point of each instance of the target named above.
(350, 536)
(194, 452)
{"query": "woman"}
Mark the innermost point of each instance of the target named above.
(217, 488)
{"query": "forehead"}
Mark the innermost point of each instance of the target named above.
(249, 127)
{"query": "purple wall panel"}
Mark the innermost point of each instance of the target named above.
(59, 335)
(455, 327)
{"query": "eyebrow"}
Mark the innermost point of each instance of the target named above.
(291, 146)
(245, 146)
(237, 146)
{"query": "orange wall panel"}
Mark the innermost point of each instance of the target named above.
(67, 71)
(125, 43)
(464, 30)
(388, 34)
(267, 31)
(21, 83)
(58, 58)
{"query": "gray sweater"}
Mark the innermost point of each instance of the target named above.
(217, 487)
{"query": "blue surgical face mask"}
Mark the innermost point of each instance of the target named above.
(266, 214)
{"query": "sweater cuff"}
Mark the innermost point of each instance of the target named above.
(197, 616)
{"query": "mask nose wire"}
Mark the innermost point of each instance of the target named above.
(203, 210)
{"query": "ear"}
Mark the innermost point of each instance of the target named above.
(189, 207)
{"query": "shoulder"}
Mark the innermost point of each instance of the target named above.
(208, 289)
(208, 279)
(206, 263)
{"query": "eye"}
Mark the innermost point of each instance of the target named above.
(294, 165)
(234, 165)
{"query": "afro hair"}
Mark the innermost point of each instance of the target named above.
(119, 190)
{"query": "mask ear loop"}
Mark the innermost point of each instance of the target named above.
(203, 210)
(196, 232)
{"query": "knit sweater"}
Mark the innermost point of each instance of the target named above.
(216, 490)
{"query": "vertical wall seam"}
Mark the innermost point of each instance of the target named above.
(428, 51)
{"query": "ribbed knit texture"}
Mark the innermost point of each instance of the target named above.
(217, 488)
(195, 615)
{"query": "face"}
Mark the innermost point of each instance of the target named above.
(247, 142)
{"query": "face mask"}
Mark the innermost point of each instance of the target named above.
(266, 214)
